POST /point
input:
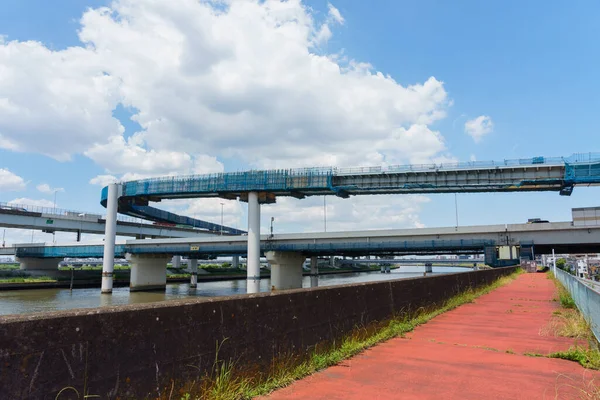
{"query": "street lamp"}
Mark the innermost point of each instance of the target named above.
(55, 191)
(325, 213)
(272, 219)
(222, 204)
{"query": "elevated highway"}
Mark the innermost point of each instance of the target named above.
(55, 220)
(560, 174)
(500, 244)
(562, 236)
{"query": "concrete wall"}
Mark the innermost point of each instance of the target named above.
(134, 351)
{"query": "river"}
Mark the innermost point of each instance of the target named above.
(41, 300)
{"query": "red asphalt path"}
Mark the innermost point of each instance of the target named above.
(465, 353)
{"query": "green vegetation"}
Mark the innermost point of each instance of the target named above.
(588, 357)
(561, 263)
(569, 322)
(9, 267)
(178, 276)
(37, 279)
(226, 381)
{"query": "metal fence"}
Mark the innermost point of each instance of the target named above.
(587, 299)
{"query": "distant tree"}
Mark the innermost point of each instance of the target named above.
(561, 263)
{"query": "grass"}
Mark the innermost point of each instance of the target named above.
(569, 322)
(37, 279)
(226, 381)
(588, 357)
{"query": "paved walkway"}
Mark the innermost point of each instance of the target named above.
(473, 352)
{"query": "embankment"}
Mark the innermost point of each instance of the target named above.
(134, 351)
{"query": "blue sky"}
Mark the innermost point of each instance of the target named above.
(530, 66)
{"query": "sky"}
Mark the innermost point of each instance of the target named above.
(96, 91)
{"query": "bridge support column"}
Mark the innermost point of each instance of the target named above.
(314, 271)
(39, 266)
(108, 261)
(253, 261)
(176, 262)
(428, 269)
(286, 269)
(147, 272)
(193, 266)
(235, 262)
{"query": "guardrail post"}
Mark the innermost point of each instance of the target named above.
(108, 262)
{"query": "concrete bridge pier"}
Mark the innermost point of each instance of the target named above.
(193, 266)
(253, 260)
(428, 269)
(39, 266)
(108, 261)
(148, 272)
(235, 262)
(314, 271)
(286, 269)
(176, 262)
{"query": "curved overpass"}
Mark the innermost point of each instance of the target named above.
(559, 174)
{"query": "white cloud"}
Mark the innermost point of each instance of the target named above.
(10, 181)
(240, 81)
(45, 188)
(103, 180)
(479, 127)
(364, 212)
(335, 14)
(213, 81)
(54, 102)
(32, 202)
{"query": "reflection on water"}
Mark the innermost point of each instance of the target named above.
(36, 300)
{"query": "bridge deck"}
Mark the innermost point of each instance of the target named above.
(466, 353)
(529, 174)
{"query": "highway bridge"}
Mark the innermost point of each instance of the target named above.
(560, 174)
(500, 244)
(52, 220)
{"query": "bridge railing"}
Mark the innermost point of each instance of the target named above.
(586, 299)
(314, 178)
(61, 212)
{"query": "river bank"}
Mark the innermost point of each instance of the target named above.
(65, 282)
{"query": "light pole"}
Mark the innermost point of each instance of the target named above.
(325, 213)
(272, 219)
(55, 191)
(456, 209)
(222, 219)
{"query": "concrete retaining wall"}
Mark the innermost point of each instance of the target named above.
(134, 351)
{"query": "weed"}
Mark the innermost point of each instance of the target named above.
(588, 357)
(529, 354)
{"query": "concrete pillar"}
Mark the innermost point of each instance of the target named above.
(235, 262)
(332, 261)
(78, 235)
(428, 269)
(314, 271)
(147, 272)
(193, 266)
(39, 266)
(253, 263)
(286, 269)
(108, 261)
(176, 262)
